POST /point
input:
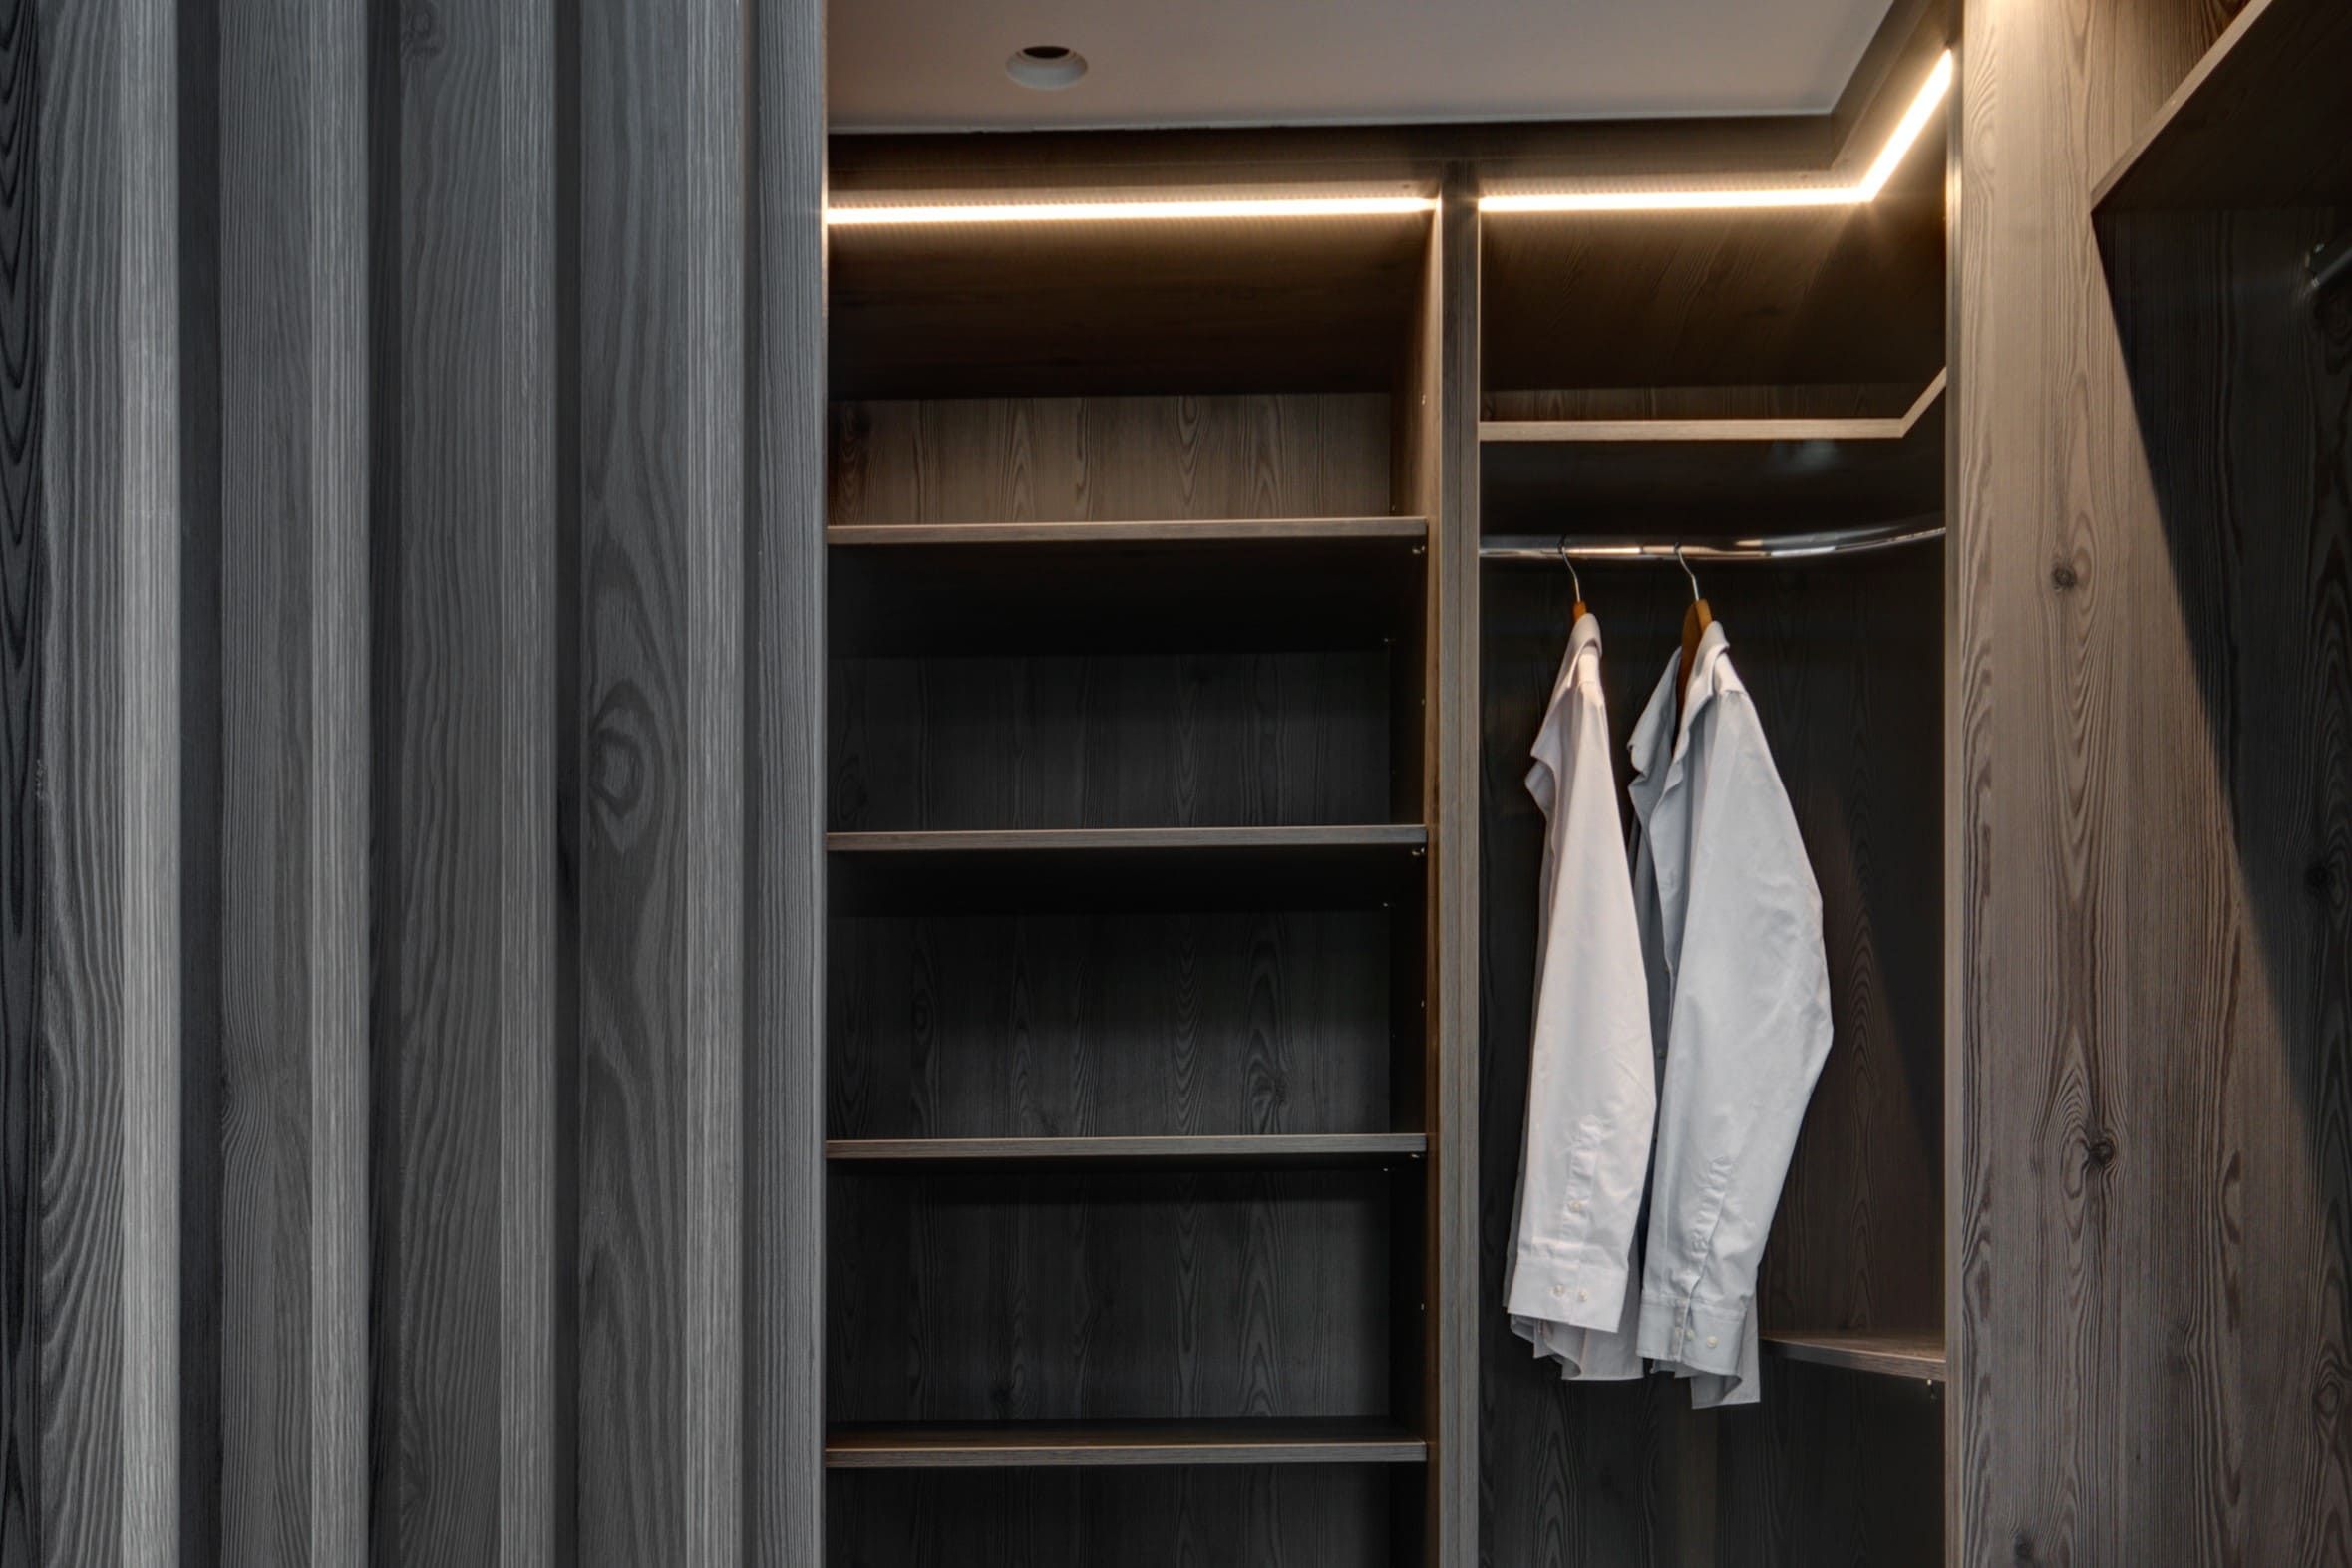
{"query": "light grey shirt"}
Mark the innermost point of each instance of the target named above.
(1739, 990)
(1591, 1076)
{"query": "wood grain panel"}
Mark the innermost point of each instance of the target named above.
(2242, 387)
(1311, 1516)
(664, 244)
(1104, 459)
(2149, 754)
(24, 600)
(1835, 1467)
(1234, 741)
(1091, 1297)
(108, 1051)
(469, 1462)
(785, 577)
(1060, 1027)
(294, 896)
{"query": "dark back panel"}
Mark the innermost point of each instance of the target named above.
(1151, 1295)
(1227, 741)
(1146, 458)
(1093, 1026)
(1305, 1516)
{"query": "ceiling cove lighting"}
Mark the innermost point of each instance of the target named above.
(1898, 146)
(1098, 210)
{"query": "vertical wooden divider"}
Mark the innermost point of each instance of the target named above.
(1454, 991)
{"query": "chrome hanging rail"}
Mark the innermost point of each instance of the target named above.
(1785, 548)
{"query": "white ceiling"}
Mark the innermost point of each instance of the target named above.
(939, 63)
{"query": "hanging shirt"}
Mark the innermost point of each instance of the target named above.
(1731, 931)
(1592, 1078)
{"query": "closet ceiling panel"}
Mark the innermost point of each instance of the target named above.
(939, 63)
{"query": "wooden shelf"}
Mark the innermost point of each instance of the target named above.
(1706, 476)
(1246, 1151)
(1191, 530)
(1312, 867)
(1895, 1354)
(2263, 120)
(1139, 587)
(1055, 1444)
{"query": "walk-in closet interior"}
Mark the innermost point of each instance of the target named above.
(783, 784)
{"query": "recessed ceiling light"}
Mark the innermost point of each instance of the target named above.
(1046, 67)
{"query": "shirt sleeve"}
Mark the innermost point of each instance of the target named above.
(1592, 1089)
(1749, 1030)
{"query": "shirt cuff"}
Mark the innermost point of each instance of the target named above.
(1564, 1289)
(1691, 1333)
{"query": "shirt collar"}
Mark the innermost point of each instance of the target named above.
(1655, 770)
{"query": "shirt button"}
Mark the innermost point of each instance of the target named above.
(1575, 1205)
(1710, 1342)
(1559, 1290)
(1583, 1295)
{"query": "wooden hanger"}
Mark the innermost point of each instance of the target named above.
(1577, 612)
(1695, 622)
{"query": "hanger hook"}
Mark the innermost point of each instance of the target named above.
(1687, 572)
(1566, 560)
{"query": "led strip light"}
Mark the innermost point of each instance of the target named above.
(1898, 146)
(1096, 209)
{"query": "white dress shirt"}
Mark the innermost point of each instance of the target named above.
(1592, 1077)
(1731, 931)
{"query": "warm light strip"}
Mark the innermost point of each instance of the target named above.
(1096, 211)
(1898, 147)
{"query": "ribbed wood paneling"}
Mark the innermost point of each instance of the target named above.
(23, 604)
(785, 583)
(472, 1464)
(291, 899)
(107, 1013)
(377, 744)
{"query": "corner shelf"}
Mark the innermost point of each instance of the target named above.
(1253, 1152)
(1072, 1445)
(2263, 120)
(1648, 475)
(1893, 1354)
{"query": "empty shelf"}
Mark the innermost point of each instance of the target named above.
(1892, 1352)
(1311, 868)
(1755, 476)
(1015, 1445)
(1314, 1148)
